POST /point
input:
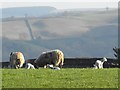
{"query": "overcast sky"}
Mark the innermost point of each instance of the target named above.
(60, 4)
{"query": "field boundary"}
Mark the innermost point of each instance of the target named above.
(77, 63)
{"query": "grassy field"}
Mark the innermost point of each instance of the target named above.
(64, 78)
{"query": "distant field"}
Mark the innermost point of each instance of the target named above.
(64, 78)
(72, 24)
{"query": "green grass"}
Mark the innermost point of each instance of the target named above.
(64, 78)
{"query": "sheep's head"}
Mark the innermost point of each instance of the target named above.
(104, 59)
(17, 64)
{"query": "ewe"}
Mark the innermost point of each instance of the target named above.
(16, 60)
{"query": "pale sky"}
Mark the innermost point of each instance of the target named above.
(60, 4)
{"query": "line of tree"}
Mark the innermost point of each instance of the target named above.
(117, 52)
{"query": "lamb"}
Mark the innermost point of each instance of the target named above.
(99, 63)
(29, 66)
(52, 67)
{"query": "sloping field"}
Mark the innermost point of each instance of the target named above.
(64, 78)
(15, 30)
(65, 25)
(73, 25)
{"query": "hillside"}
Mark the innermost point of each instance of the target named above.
(29, 50)
(77, 34)
(30, 11)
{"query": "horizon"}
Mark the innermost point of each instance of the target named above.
(60, 5)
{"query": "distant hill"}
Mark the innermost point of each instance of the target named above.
(28, 49)
(77, 34)
(30, 11)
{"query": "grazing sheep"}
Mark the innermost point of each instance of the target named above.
(54, 57)
(16, 60)
(99, 63)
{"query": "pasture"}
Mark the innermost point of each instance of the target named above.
(64, 78)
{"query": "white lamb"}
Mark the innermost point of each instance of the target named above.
(99, 63)
(52, 67)
(29, 66)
